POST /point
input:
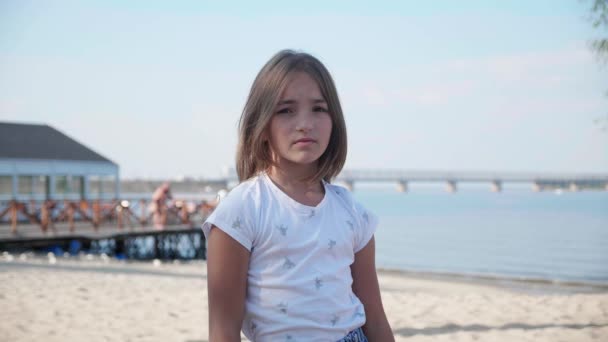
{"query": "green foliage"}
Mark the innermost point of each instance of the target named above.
(599, 19)
(598, 15)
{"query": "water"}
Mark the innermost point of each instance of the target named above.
(513, 234)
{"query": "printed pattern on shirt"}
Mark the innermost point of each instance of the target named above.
(283, 229)
(288, 264)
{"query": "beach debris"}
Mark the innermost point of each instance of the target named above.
(7, 256)
(105, 258)
(51, 257)
(156, 263)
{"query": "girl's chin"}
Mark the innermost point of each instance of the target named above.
(301, 162)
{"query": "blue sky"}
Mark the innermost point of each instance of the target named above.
(158, 87)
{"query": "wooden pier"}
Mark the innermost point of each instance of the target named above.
(118, 228)
(142, 243)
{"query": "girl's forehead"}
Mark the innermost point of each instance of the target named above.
(301, 83)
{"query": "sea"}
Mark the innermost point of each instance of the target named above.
(554, 236)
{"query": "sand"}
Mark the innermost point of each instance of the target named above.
(89, 298)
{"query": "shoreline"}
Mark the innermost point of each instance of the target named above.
(180, 268)
(523, 284)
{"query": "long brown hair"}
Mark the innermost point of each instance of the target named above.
(253, 152)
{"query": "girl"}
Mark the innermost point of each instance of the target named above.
(290, 256)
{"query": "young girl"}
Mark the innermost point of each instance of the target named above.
(290, 256)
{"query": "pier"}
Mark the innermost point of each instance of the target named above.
(141, 244)
(119, 228)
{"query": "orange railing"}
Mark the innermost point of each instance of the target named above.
(98, 212)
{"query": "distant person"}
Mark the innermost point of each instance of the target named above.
(291, 256)
(159, 205)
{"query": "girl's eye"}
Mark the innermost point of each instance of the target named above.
(284, 111)
(319, 109)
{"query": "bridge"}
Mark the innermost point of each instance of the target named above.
(451, 179)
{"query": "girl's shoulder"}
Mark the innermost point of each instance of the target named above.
(347, 199)
(342, 192)
(344, 196)
(237, 213)
(245, 192)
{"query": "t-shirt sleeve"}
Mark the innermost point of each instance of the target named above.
(368, 223)
(233, 216)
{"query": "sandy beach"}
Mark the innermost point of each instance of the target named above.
(92, 298)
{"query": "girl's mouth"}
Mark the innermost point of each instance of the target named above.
(304, 141)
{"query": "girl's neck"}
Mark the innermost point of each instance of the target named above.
(298, 185)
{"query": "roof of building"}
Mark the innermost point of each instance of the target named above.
(29, 141)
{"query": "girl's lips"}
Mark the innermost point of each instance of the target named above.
(304, 141)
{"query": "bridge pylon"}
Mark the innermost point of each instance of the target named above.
(451, 186)
(496, 186)
(402, 186)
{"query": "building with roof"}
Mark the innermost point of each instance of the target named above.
(38, 162)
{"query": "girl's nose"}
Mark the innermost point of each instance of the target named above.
(304, 122)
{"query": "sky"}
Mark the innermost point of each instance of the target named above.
(158, 86)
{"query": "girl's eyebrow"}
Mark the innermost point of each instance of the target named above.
(289, 101)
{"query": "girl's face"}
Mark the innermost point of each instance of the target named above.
(301, 126)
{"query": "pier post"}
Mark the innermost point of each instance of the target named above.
(143, 219)
(402, 186)
(69, 206)
(496, 186)
(120, 247)
(120, 215)
(451, 186)
(573, 187)
(14, 212)
(96, 214)
(45, 215)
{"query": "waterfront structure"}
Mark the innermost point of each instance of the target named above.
(38, 162)
(541, 181)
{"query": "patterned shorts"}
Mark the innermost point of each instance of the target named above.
(354, 336)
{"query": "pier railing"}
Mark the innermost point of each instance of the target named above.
(118, 213)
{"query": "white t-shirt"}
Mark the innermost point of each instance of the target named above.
(299, 279)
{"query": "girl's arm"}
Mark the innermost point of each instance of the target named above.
(365, 286)
(227, 266)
